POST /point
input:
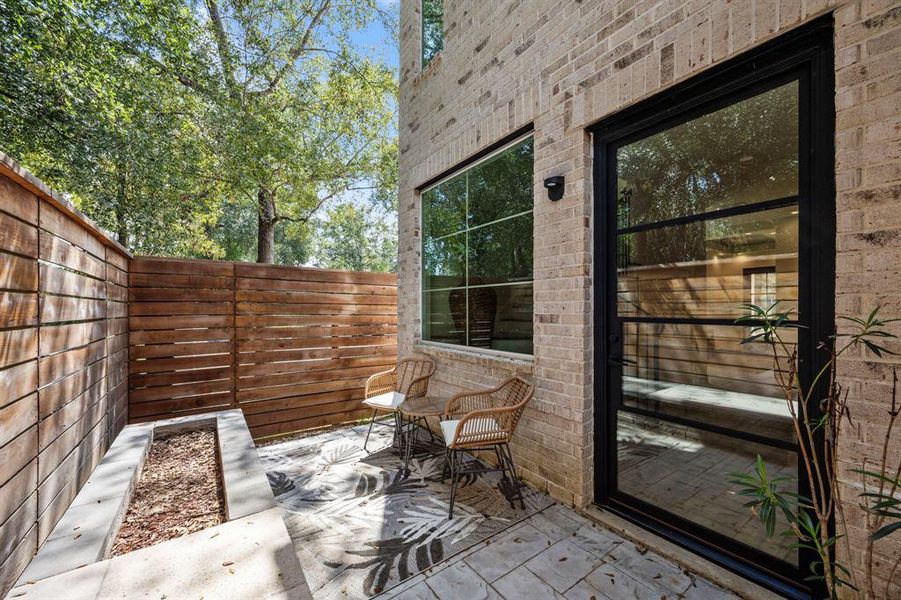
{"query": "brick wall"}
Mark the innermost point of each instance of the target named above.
(566, 64)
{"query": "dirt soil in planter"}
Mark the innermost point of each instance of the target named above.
(179, 491)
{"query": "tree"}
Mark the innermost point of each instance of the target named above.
(295, 116)
(89, 119)
(353, 238)
(165, 116)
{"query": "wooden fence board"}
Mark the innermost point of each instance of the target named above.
(18, 237)
(18, 309)
(19, 380)
(310, 274)
(57, 345)
(60, 365)
(16, 417)
(65, 337)
(58, 394)
(17, 453)
(297, 343)
(59, 224)
(306, 354)
(18, 273)
(275, 285)
(18, 201)
(183, 322)
(60, 309)
(17, 346)
(251, 321)
(58, 251)
(59, 281)
(179, 266)
(293, 345)
(264, 333)
(17, 490)
(314, 297)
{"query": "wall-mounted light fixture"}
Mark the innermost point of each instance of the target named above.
(555, 186)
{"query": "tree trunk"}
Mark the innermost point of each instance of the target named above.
(265, 226)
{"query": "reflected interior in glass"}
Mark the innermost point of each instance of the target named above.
(477, 254)
(704, 373)
(691, 393)
(710, 268)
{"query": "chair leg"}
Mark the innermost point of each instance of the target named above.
(513, 480)
(397, 441)
(446, 467)
(501, 463)
(408, 441)
(371, 421)
(456, 465)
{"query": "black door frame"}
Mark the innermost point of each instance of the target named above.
(805, 53)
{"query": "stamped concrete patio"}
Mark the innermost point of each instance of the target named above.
(354, 518)
(557, 554)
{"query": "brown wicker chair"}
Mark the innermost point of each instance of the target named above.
(485, 420)
(386, 390)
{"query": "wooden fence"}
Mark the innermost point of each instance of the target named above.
(63, 359)
(292, 347)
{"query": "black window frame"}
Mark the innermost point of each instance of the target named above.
(507, 142)
(807, 53)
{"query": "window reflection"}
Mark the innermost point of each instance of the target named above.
(741, 154)
(704, 373)
(686, 472)
(477, 254)
(701, 269)
(432, 29)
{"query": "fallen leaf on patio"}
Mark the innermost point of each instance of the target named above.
(562, 559)
(232, 571)
(228, 563)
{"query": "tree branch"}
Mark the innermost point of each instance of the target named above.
(299, 48)
(228, 74)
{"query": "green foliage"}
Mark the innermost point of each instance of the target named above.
(805, 516)
(354, 238)
(162, 118)
(883, 503)
(767, 499)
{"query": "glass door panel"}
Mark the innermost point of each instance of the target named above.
(708, 220)
(681, 470)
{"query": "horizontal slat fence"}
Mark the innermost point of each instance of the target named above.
(63, 359)
(292, 347)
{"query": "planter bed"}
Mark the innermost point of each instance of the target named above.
(138, 527)
(179, 491)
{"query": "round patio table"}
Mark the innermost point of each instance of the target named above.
(414, 411)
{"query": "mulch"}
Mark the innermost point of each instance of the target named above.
(179, 491)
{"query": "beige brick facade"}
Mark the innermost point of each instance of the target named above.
(566, 64)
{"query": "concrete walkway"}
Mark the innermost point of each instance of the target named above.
(556, 554)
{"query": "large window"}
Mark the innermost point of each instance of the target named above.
(477, 254)
(432, 29)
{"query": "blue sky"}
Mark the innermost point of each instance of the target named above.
(377, 40)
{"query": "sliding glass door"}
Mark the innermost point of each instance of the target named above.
(707, 209)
